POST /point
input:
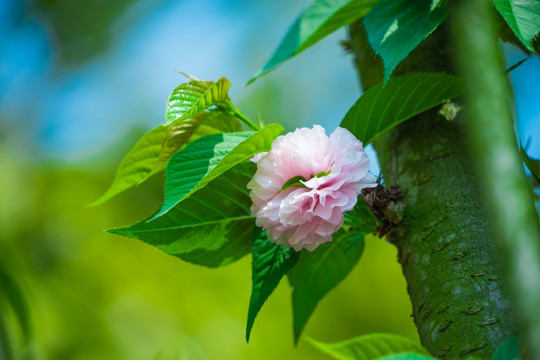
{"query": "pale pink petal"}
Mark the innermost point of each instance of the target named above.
(255, 158)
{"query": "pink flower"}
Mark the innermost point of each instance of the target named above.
(305, 183)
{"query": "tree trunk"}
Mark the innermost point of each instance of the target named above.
(459, 298)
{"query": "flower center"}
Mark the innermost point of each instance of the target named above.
(296, 181)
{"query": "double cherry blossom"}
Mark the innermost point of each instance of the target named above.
(305, 183)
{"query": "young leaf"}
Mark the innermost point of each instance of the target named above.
(523, 17)
(395, 27)
(137, 164)
(508, 350)
(321, 19)
(371, 346)
(217, 121)
(318, 272)
(155, 148)
(270, 263)
(189, 99)
(205, 159)
(207, 223)
(181, 133)
(294, 182)
(381, 108)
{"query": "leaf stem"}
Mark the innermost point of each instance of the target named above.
(241, 116)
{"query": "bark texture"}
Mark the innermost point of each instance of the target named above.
(490, 130)
(458, 295)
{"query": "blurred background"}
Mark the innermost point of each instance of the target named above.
(80, 81)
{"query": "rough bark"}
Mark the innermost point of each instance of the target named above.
(459, 299)
(490, 130)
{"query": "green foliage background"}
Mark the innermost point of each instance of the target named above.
(92, 295)
(69, 290)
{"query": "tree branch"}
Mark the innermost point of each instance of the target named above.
(496, 155)
(445, 242)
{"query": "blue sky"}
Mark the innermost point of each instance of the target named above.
(75, 114)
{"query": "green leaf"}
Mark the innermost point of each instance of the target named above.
(137, 164)
(382, 107)
(407, 356)
(361, 218)
(321, 19)
(523, 17)
(294, 182)
(270, 263)
(395, 27)
(189, 99)
(371, 346)
(213, 227)
(205, 159)
(190, 166)
(155, 148)
(234, 248)
(532, 164)
(12, 294)
(508, 350)
(181, 133)
(217, 121)
(318, 272)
